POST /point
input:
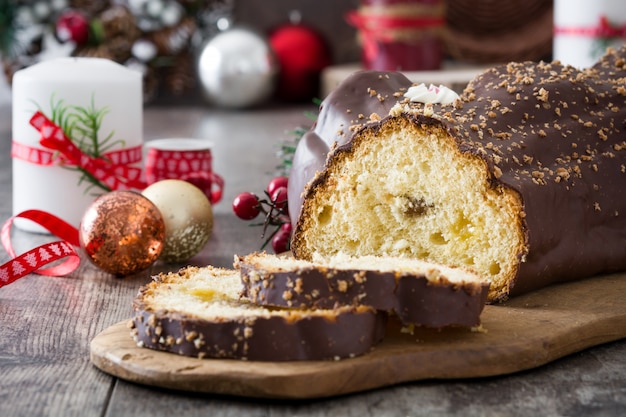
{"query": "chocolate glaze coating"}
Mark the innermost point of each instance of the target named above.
(274, 339)
(566, 160)
(413, 298)
(552, 133)
(270, 337)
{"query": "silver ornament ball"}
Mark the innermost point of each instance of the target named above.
(237, 69)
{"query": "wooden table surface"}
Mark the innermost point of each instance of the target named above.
(48, 323)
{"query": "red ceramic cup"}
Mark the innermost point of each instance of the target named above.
(183, 159)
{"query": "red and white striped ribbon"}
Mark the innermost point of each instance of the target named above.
(34, 260)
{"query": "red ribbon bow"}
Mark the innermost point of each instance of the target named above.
(609, 31)
(116, 176)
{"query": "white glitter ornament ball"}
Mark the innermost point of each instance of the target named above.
(237, 69)
(188, 218)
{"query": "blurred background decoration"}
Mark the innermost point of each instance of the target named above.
(400, 34)
(495, 31)
(164, 38)
(154, 36)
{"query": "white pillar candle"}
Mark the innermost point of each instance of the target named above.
(72, 84)
(580, 34)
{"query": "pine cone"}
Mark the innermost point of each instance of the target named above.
(119, 21)
(90, 7)
(99, 51)
(151, 85)
(180, 76)
(175, 39)
(119, 32)
(119, 48)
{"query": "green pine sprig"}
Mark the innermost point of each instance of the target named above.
(82, 126)
(287, 148)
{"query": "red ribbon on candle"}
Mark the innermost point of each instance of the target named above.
(35, 259)
(45, 157)
(604, 29)
(117, 175)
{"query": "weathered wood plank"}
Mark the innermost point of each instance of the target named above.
(47, 325)
(586, 383)
(524, 333)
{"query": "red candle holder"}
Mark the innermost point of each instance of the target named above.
(400, 34)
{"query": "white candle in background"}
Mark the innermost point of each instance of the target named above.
(82, 82)
(578, 31)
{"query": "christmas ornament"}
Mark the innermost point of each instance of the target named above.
(122, 233)
(187, 214)
(237, 69)
(302, 54)
(33, 31)
(73, 26)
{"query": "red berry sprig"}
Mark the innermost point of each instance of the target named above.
(248, 206)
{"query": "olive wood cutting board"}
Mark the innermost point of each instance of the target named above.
(523, 333)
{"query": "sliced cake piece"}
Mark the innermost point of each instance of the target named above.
(420, 293)
(199, 312)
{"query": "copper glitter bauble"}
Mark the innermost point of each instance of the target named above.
(122, 232)
(188, 217)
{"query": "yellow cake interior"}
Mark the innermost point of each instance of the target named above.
(407, 190)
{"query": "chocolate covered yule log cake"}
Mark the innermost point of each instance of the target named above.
(521, 179)
(200, 312)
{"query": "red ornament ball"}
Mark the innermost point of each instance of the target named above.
(73, 26)
(122, 233)
(302, 54)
